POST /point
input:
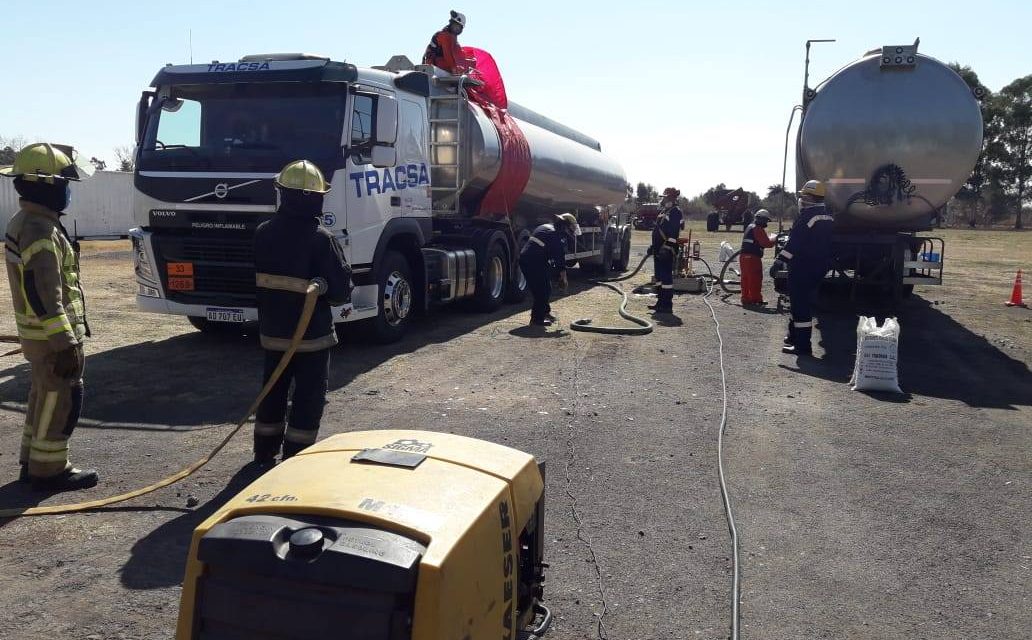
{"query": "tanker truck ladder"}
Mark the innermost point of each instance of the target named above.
(446, 144)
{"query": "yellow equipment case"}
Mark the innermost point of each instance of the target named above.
(375, 535)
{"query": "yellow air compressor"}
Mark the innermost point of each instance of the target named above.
(375, 535)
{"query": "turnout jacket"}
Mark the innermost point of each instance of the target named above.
(289, 251)
(548, 245)
(43, 272)
(809, 241)
(668, 227)
(755, 240)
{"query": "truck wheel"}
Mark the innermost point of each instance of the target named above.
(712, 222)
(395, 304)
(624, 260)
(492, 280)
(517, 290)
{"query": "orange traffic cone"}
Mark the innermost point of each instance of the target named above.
(1016, 298)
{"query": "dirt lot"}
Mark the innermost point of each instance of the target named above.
(861, 516)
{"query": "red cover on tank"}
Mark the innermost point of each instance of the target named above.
(508, 185)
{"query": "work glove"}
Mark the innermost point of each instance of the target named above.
(564, 282)
(346, 309)
(321, 284)
(68, 363)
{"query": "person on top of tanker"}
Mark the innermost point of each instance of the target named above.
(444, 51)
(291, 250)
(546, 249)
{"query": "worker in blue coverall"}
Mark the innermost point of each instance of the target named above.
(664, 250)
(546, 249)
(808, 256)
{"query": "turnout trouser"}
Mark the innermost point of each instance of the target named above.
(752, 278)
(536, 273)
(802, 288)
(308, 371)
(53, 411)
(663, 263)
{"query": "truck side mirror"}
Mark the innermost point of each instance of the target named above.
(142, 109)
(383, 156)
(386, 121)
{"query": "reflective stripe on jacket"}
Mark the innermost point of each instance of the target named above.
(668, 227)
(809, 241)
(43, 273)
(755, 240)
(547, 244)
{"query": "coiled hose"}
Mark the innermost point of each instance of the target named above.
(645, 327)
(311, 295)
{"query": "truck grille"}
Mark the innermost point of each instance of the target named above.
(223, 268)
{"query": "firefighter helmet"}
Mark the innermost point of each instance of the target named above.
(302, 175)
(813, 188)
(762, 216)
(458, 18)
(672, 193)
(571, 221)
(46, 162)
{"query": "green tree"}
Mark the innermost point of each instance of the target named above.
(646, 193)
(126, 156)
(1014, 152)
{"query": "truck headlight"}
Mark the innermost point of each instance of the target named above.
(141, 263)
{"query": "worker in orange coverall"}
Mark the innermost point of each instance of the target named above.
(750, 259)
(444, 51)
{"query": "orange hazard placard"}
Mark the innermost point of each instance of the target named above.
(180, 284)
(180, 269)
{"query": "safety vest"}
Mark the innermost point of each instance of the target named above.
(43, 272)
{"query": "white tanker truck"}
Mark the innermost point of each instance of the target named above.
(409, 158)
(894, 135)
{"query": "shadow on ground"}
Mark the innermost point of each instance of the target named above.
(938, 358)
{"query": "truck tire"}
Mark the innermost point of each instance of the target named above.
(624, 260)
(712, 222)
(394, 283)
(517, 290)
(492, 279)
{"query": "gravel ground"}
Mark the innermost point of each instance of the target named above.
(861, 515)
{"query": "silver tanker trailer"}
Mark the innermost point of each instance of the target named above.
(894, 135)
(409, 157)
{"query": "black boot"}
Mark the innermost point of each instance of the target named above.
(71, 479)
(23, 474)
(541, 322)
(797, 350)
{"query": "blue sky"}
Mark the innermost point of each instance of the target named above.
(681, 93)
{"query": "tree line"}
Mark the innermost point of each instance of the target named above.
(125, 155)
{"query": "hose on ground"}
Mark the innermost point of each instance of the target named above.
(311, 295)
(644, 326)
(724, 283)
(10, 339)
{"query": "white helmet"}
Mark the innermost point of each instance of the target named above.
(571, 221)
(458, 18)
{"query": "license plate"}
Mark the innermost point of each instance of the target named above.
(225, 315)
(180, 284)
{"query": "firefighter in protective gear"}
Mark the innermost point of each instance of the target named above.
(545, 251)
(290, 250)
(49, 308)
(664, 249)
(444, 51)
(750, 258)
(808, 256)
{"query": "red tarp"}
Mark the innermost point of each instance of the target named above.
(508, 185)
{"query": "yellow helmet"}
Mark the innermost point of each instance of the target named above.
(571, 222)
(47, 162)
(302, 175)
(813, 188)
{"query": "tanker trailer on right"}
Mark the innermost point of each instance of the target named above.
(893, 135)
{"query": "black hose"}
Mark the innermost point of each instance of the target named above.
(645, 327)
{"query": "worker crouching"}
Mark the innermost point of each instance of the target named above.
(291, 250)
(750, 258)
(664, 250)
(545, 251)
(50, 311)
(808, 256)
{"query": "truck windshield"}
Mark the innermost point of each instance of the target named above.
(244, 127)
